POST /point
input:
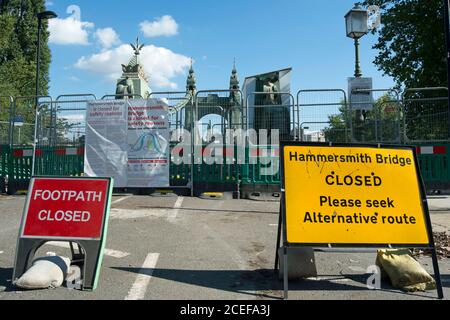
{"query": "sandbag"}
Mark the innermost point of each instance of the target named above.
(404, 271)
(46, 272)
(301, 263)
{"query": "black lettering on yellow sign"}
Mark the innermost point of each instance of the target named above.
(351, 158)
(350, 203)
(352, 194)
(357, 218)
(350, 180)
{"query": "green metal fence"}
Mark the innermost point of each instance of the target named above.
(6, 105)
(269, 118)
(21, 140)
(214, 162)
(54, 135)
(434, 161)
(178, 102)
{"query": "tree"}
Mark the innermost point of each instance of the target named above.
(411, 42)
(380, 124)
(18, 39)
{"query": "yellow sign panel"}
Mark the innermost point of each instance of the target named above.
(352, 195)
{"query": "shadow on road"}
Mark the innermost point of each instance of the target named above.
(5, 279)
(262, 283)
(445, 279)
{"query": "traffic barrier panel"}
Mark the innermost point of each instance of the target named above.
(434, 165)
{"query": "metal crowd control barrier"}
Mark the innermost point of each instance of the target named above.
(179, 102)
(63, 145)
(53, 134)
(426, 125)
(215, 108)
(324, 115)
(270, 111)
(22, 141)
(6, 106)
(123, 96)
(426, 115)
(273, 116)
(434, 159)
(380, 118)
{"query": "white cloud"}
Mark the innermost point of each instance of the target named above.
(73, 78)
(69, 31)
(160, 64)
(162, 26)
(107, 37)
(49, 3)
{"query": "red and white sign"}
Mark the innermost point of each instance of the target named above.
(72, 208)
(431, 150)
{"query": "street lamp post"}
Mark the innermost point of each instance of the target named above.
(356, 27)
(447, 41)
(41, 16)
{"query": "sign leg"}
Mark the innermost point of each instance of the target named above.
(285, 273)
(437, 275)
(278, 243)
(91, 263)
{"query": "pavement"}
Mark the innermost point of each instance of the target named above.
(191, 248)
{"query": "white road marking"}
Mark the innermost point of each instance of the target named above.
(107, 252)
(357, 269)
(120, 199)
(331, 279)
(125, 214)
(173, 214)
(1, 252)
(116, 253)
(137, 291)
(273, 225)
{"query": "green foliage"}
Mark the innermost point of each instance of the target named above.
(18, 38)
(426, 115)
(339, 126)
(380, 124)
(411, 42)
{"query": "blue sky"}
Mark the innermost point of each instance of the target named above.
(263, 35)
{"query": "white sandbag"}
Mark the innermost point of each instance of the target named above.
(46, 272)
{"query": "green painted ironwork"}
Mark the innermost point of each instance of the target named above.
(417, 118)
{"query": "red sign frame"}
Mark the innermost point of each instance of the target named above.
(66, 208)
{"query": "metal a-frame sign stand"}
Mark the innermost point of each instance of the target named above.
(90, 236)
(282, 239)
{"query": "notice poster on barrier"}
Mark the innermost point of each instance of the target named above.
(129, 141)
(147, 143)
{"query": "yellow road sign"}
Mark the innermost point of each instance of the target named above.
(353, 195)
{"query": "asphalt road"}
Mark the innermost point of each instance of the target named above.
(190, 248)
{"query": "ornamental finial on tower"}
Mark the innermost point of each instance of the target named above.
(190, 82)
(234, 81)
